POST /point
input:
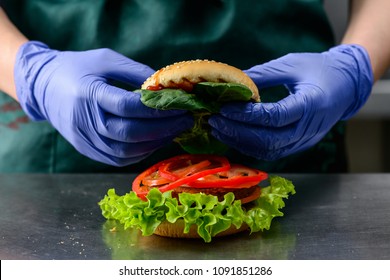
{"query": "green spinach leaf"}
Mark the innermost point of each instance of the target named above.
(206, 98)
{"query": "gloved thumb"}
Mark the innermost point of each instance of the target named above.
(279, 114)
(118, 67)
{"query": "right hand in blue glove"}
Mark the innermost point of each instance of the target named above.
(71, 90)
(324, 88)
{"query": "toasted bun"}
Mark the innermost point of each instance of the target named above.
(196, 71)
(176, 229)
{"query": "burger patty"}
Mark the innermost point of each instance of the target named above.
(219, 192)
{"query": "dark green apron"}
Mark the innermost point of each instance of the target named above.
(157, 33)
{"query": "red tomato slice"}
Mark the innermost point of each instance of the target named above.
(141, 188)
(238, 176)
(224, 166)
(155, 179)
(186, 165)
(179, 170)
(196, 171)
(169, 171)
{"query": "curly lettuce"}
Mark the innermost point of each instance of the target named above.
(209, 215)
(205, 99)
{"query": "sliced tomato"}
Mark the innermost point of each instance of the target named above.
(196, 171)
(139, 186)
(238, 176)
(187, 165)
(178, 171)
(155, 180)
(155, 87)
(169, 171)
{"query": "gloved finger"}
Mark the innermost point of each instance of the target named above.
(127, 104)
(265, 138)
(141, 130)
(284, 112)
(295, 147)
(114, 152)
(123, 150)
(275, 72)
(262, 142)
(96, 154)
(251, 149)
(254, 150)
(116, 66)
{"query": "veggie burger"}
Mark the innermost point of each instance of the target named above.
(199, 194)
(201, 87)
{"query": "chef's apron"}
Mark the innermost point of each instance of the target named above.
(157, 33)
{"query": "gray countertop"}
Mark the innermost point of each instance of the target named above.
(343, 216)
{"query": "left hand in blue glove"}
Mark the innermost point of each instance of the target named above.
(324, 88)
(73, 91)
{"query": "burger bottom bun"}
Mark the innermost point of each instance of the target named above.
(176, 230)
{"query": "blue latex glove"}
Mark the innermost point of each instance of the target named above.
(71, 90)
(324, 88)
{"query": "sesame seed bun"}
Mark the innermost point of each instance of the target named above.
(187, 73)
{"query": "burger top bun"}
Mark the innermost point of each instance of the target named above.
(176, 230)
(186, 73)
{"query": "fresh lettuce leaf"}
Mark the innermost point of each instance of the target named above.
(206, 98)
(270, 202)
(205, 211)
